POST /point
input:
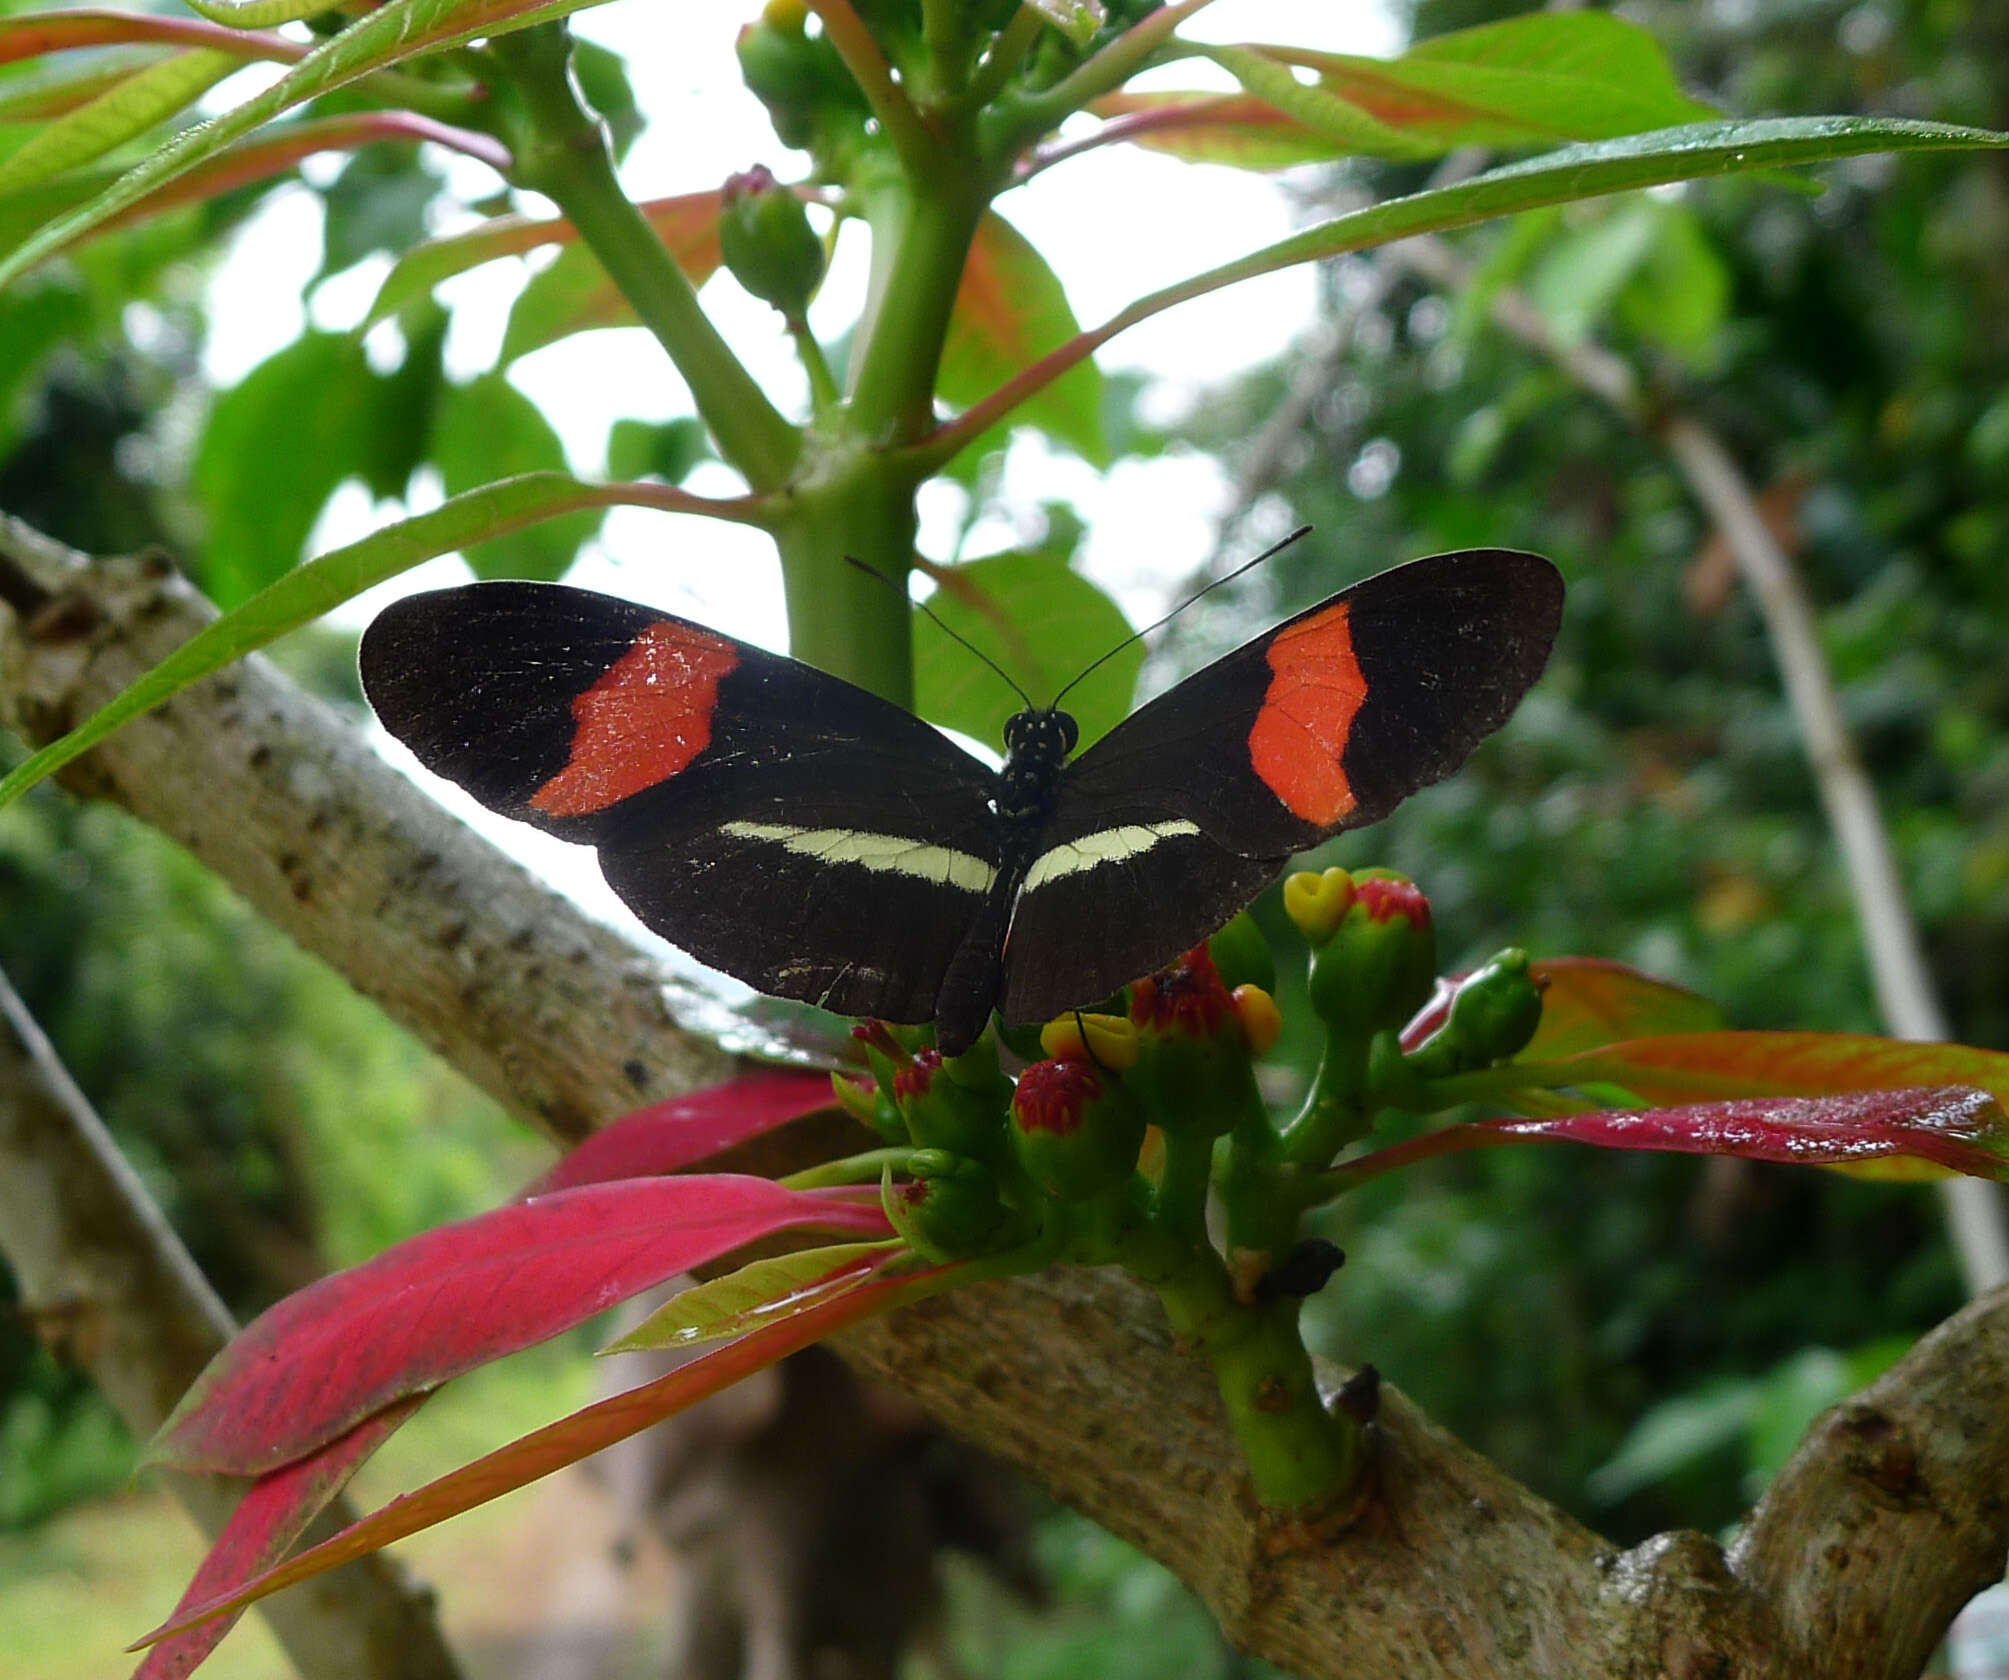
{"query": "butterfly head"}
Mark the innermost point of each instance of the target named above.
(1040, 736)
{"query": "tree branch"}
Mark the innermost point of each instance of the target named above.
(108, 1284)
(1452, 1571)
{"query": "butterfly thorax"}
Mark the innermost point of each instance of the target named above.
(1036, 747)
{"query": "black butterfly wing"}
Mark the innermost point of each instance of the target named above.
(776, 822)
(1189, 807)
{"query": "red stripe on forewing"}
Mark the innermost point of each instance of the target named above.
(1298, 741)
(642, 722)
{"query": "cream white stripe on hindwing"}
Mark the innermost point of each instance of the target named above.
(1110, 845)
(890, 853)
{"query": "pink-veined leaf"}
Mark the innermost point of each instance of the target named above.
(1010, 310)
(1913, 1133)
(457, 1297)
(1587, 1002)
(687, 224)
(759, 1293)
(668, 1136)
(41, 98)
(37, 33)
(575, 1437)
(272, 1515)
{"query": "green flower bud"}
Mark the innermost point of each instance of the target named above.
(1494, 1013)
(1076, 1130)
(1376, 964)
(797, 76)
(767, 242)
(944, 1112)
(949, 1209)
(1193, 1073)
(1243, 955)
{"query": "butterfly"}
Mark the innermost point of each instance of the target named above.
(818, 842)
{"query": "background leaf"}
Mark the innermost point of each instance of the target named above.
(487, 430)
(1045, 624)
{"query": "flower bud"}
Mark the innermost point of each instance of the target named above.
(1375, 966)
(1192, 1073)
(1107, 1040)
(948, 1209)
(944, 1112)
(767, 242)
(1076, 1130)
(796, 75)
(1494, 1013)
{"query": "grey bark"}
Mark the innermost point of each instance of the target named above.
(1865, 1545)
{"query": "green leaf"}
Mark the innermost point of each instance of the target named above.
(130, 107)
(1045, 624)
(1340, 122)
(401, 422)
(1078, 20)
(394, 32)
(1680, 296)
(602, 75)
(377, 203)
(489, 430)
(1588, 1002)
(1010, 310)
(256, 14)
(665, 449)
(308, 591)
(1582, 271)
(275, 448)
(1237, 129)
(757, 1294)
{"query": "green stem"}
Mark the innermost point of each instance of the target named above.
(1180, 1205)
(846, 32)
(1007, 53)
(863, 1168)
(561, 151)
(921, 232)
(822, 383)
(1298, 1454)
(1334, 1113)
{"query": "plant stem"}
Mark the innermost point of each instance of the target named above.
(863, 1168)
(846, 32)
(1007, 53)
(561, 151)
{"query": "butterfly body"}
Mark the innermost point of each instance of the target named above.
(820, 843)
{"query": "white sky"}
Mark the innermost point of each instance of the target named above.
(1114, 223)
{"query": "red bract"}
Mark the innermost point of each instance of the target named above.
(457, 1297)
(569, 1440)
(668, 1136)
(1953, 1128)
(270, 1518)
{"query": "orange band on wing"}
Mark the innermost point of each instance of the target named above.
(642, 722)
(1299, 737)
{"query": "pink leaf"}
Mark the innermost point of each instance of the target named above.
(273, 1514)
(1953, 1128)
(457, 1297)
(668, 1136)
(573, 1438)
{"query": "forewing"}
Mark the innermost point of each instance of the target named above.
(776, 822)
(1183, 812)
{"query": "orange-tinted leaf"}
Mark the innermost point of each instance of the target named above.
(668, 1136)
(453, 1298)
(1690, 1066)
(1010, 310)
(575, 1437)
(273, 1515)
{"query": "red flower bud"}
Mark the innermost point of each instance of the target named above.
(1075, 1130)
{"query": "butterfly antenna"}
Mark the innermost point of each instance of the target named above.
(1137, 635)
(954, 635)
